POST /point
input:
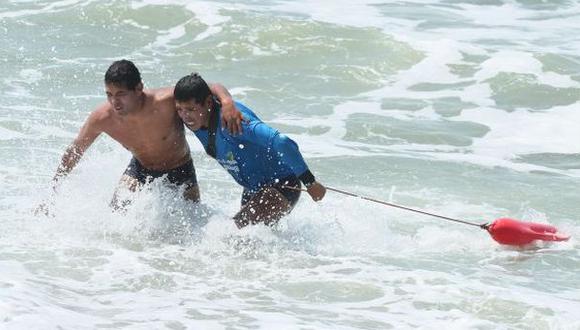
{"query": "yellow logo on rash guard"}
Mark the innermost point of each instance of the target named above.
(230, 156)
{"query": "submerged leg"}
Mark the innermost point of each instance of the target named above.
(268, 205)
(126, 186)
(192, 193)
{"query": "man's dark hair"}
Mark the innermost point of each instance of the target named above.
(123, 73)
(191, 87)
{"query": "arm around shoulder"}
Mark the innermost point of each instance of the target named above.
(231, 116)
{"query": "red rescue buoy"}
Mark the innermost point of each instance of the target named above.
(512, 232)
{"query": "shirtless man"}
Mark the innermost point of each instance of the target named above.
(145, 122)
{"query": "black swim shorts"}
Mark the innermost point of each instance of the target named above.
(182, 175)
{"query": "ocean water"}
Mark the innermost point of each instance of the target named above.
(469, 109)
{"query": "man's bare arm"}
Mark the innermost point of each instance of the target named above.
(73, 154)
(231, 117)
(87, 135)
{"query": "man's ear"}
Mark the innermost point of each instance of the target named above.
(208, 101)
(139, 87)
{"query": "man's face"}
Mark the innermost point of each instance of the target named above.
(194, 115)
(122, 99)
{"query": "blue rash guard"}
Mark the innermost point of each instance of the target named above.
(259, 156)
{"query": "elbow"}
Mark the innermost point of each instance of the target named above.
(284, 141)
(285, 145)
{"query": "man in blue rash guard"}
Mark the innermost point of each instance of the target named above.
(266, 163)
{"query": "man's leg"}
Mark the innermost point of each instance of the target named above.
(127, 185)
(185, 175)
(268, 205)
(131, 180)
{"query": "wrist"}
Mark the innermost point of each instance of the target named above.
(56, 183)
(307, 178)
(310, 186)
(227, 102)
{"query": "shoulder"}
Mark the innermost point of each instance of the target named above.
(101, 115)
(164, 94)
(162, 97)
(246, 110)
(253, 131)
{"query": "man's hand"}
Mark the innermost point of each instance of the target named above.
(316, 191)
(232, 118)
